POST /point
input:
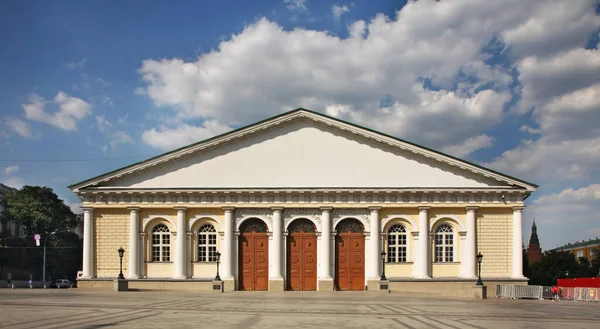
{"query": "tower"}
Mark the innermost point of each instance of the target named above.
(534, 252)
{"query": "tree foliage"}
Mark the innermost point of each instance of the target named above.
(561, 264)
(40, 210)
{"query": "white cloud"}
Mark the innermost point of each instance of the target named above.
(11, 169)
(575, 208)
(545, 78)
(295, 4)
(554, 26)
(546, 159)
(469, 146)
(338, 11)
(115, 136)
(11, 126)
(76, 65)
(312, 69)
(13, 181)
(70, 110)
(172, 138)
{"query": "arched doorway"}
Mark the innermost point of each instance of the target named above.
(254, 255)
(301, 256)
(350, 255)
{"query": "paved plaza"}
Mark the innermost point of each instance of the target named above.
(78, 308)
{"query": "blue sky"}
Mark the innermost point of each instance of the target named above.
(87, 87)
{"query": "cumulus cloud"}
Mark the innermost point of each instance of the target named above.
(11, 169)
(283, 70)
(338, 11)
(114, 135)
(469, 146)
(553, 26)
(166, 138)
(76, 65)
(10, 126)
(70, 110)
(295, 4)
(577, 208)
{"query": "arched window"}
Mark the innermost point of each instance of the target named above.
(161, 244)
(396, 238)
(444, 244)
(207, 243)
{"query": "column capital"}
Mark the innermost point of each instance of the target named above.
(518, 208)
(134, 208)
(325, 208)
(87, 209)
(179, 208)
(472, 208)
(423, 208)
(374, 208)
(277, 208)
(226, 208)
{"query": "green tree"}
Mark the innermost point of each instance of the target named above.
(40, 210)
(554, 265)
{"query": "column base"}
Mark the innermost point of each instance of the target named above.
(480, 292)
(228, 285)
(133, 277)
(325, 284)
(372, 284)
(276, 285)
(421, 277)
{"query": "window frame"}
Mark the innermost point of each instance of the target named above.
(398, 248)
(446, 247)
(163, 243)
(207, 245)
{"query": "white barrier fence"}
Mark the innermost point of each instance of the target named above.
(511, 291)
(543, 292)
(586, 294)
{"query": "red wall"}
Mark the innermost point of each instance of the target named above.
(579, 282)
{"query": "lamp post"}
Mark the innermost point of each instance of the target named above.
(479, 259)
(44, 260)
(383, 278)
(121, 253)
(218, 256)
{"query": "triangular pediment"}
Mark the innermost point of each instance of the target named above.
(303, 150)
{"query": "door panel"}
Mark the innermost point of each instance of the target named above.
(302, 261)
(254, 261)
(350, 262)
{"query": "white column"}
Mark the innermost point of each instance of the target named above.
(88, 243)
(421, 263)
(227, 248)
(470, 248)
(325, 251)
(374, 269)
(517, 257)
(134, 234)
(180, 246)
(277, 244)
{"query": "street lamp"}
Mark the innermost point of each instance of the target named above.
(121, 253)
(218, 257)
(479, 259)
(383, 278)
(567, 273)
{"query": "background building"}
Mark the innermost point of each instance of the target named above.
(581, 248)
(534, 251)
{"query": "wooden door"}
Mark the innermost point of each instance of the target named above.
(254, 256)
(350, 256)
(302, 256)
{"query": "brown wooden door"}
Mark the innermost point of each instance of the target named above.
(254, 258)
(302, 261)
(350, 258)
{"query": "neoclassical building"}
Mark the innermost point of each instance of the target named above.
(303, 201)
